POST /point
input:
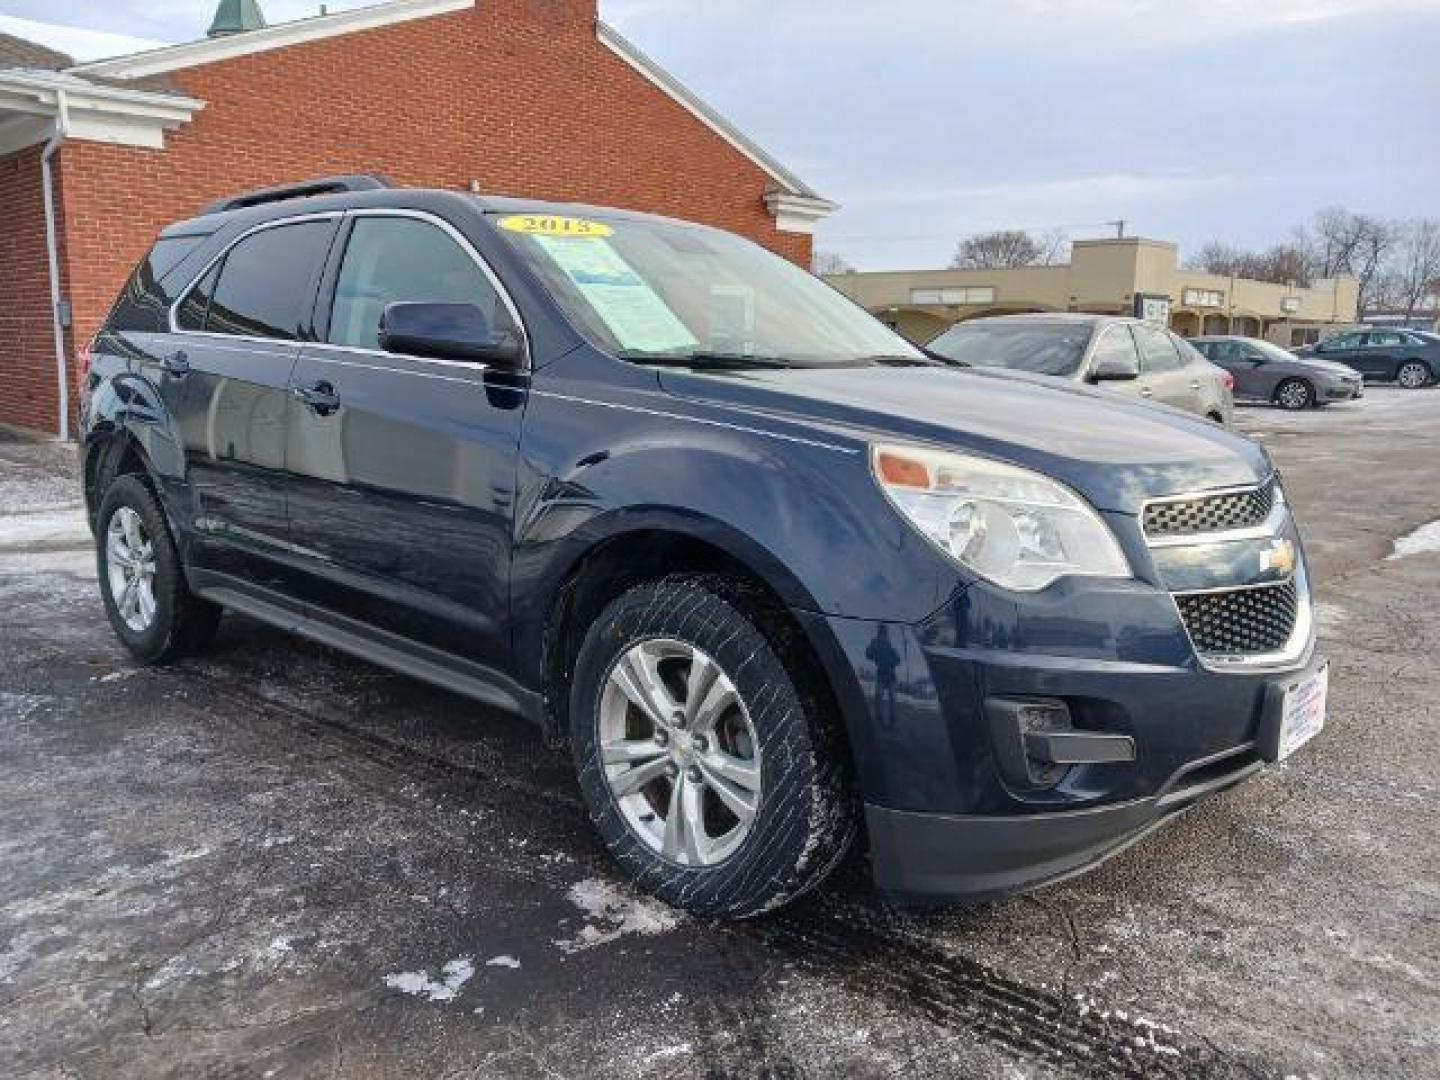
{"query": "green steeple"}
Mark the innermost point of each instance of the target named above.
(235, 17)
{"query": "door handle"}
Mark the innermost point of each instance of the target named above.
(1195, 384)
(178, 364)
(1145, 391)
(320, 398)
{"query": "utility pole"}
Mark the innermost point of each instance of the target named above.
(1119, 228)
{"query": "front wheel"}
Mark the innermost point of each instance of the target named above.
(1295, 395)
(712, 771)
(1413, 375)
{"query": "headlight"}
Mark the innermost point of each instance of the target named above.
(1011, 526)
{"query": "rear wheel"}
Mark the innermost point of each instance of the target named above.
(1295, 394)
(712, 773)
(1413, 375)
(141, 580)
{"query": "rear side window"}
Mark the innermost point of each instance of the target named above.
(142, 304)
(1118, 346)
(395, 260)
(264, 287)
(1157, 351)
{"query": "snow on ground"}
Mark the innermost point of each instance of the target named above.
(1424, 539)
(453, 976)
(613, 912)
(503, 961)
(50, 527)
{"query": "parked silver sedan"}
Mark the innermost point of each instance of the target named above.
(1266, 372)
(1129, 356)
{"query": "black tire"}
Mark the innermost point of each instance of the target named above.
(182, 623)
(1295, 395)
(1413, 375)
(805, 820)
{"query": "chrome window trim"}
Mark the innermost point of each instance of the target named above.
(326, 215)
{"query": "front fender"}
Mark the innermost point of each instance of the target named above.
(600, 460)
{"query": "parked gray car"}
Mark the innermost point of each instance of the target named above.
(1129, 356)
(1265, 372)
(1408, 357)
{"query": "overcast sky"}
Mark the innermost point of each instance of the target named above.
(929, 119)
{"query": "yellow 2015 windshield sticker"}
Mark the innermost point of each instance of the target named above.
(550, 225)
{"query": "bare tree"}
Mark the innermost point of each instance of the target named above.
(1280, 264)
(828, 262)
(1217, 258)
(1340, 241)
(998, 250)
(1414, 272)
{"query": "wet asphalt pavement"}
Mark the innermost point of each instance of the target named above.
(276, 861)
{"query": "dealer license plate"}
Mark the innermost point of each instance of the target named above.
(1303, 714)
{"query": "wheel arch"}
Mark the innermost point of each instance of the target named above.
(621, 558)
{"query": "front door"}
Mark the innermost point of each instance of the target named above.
(1345, 349)
(1163, 374)
(227, 377)
(402, 468)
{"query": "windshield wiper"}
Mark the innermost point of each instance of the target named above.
(901, 360)
(715, 361)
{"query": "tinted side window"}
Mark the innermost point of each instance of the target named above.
(396, 260)
(267, 282)
(1383, 340)
(195, 306)
(1157, 351)
(142, 304)
(1118, 346)
(1341, 341)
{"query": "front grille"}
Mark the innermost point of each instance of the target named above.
(1241, 621)
(1210, 513)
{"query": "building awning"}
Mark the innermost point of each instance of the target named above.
(30, 101)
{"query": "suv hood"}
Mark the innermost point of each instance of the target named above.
(1115, 452)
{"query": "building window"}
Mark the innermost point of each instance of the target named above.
(972, 294)
(1203, 298)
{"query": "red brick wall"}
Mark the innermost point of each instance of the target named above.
(517, 94)
(27, 350)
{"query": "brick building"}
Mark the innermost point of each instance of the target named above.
(524, 97)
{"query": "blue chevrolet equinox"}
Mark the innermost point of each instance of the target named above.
(782, 583)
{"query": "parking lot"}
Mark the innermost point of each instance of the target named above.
(278, 861)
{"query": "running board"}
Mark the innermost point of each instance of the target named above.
(377, 646)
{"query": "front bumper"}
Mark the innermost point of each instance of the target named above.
(1341, 390)
(947, 818)
(980, 857)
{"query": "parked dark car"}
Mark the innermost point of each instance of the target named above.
(769, 571)
(1129, 356)
(1406, 357)
(1264, 371)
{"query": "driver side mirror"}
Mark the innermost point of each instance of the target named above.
(448, 332)
(1112, 370)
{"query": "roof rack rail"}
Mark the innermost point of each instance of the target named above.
(324, 185)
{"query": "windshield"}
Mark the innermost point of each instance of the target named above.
(657, 291)
(1043, 348)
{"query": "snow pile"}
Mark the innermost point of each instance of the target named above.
(613, 912)
(1426, 538)
(453, 976)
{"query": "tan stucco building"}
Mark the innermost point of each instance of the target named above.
(1106, 277)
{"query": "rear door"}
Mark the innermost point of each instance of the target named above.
(1380, 354)
(238, 333)
(1163, 374)
(403, 469)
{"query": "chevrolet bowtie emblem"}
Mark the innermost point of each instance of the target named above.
(1279, 556)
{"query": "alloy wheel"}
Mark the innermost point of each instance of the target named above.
(680, 753)
(1295, 395)
(130, 569)
(1412, 376)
